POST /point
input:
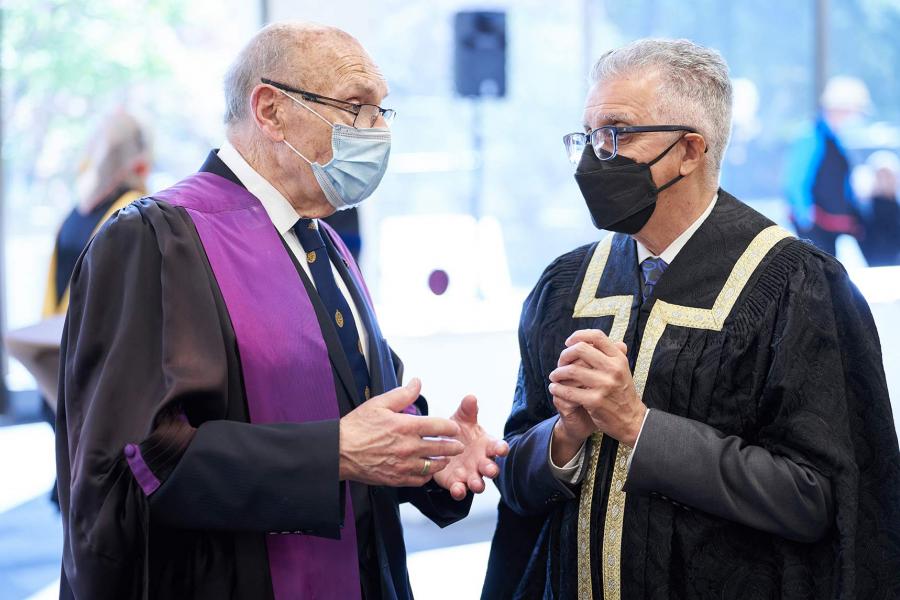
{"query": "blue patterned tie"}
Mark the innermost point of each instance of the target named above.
(334, 301)
(652, 268)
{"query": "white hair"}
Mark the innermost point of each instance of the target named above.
(119, 143)
(694, 86)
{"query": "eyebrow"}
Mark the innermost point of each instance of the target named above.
(365, 90)
(613, 119)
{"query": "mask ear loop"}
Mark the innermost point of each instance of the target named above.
(670, 184)
(327, 122)
(664, 152)
(660, 157)
(297, 152)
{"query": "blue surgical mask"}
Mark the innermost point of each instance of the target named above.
(358, 162)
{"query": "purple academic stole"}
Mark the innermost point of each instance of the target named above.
(284, 360)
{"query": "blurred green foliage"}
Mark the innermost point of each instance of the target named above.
(62, 60)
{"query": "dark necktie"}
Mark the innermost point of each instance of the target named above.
(652, 269)
(335, 302)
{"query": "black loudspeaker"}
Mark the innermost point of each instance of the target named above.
(479, 53)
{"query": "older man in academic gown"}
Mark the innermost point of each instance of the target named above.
(230, 421)
(701, 410)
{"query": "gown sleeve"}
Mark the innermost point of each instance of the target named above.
(527, 483)
(146, 412)
(828, 399)
(529, 489)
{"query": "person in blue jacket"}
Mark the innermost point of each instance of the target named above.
(822, 203)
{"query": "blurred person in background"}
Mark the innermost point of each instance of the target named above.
(881, 246)
(822, 202)
(701, 409)
(231, 423)
(112, 174)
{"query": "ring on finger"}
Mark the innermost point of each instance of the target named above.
(426, 467)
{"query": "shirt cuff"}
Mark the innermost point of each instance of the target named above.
(637, 439)
(572, 471)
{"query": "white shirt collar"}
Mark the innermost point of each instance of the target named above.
(280, 211)
(675, 247)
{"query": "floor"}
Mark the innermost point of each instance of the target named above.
(30, 527)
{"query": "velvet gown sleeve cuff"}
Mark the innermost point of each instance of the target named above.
(152, 460)
(273, 478)
(439, 506)
(527, 482)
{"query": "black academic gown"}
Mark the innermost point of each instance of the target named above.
(795, 369)
(147, 322)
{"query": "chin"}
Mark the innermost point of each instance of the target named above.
(318, 208)
(326, 211)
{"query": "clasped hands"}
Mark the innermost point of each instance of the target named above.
(382, 445)
(593, 391)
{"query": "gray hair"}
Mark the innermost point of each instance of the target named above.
(694, 86)
(120, 141)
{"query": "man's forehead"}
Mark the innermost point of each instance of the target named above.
(337, 65)
(624, 101)
(629, 111)
(598, 115)
(368, 89)
(356, 75)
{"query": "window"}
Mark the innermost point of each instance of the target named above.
(67, 63)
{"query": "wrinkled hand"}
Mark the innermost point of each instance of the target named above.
(593, 373)
(572, 429)
(379, 445)
(574, 420)
(465, 471)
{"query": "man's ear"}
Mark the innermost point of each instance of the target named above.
(266, 109)
(694, 149)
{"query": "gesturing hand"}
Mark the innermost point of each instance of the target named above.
(381, 446)
(593, 373)
(465, 471)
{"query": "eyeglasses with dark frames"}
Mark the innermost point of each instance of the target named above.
(365, 116)
(605, 140)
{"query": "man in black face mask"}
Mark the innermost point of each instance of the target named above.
(701, 408)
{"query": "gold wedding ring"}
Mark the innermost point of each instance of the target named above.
(426, 467)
